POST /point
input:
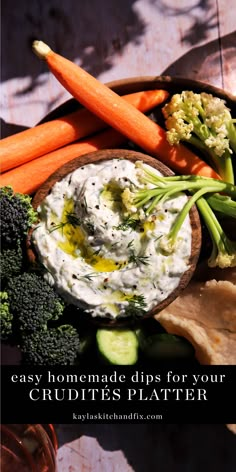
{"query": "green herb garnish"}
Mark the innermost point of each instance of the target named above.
(88, 277)
(130, 244)
(95, 253)
(71, 219)
(138, 259)
(128, 224)
(90, 227)
(137, 306)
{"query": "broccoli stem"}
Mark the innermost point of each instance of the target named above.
(232, 134)
(222, 204)
(224, 250)
(222, 246)
(222, 164)
(211, 221)
(226, 170)
(191, 182)
(184, 212)
(183, 184)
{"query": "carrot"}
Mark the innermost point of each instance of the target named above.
(28, 177)
(106, 104)
(42, 139)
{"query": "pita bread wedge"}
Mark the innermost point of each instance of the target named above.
(232, 428)
(205, 314)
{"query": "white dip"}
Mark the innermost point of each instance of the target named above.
(98, 256)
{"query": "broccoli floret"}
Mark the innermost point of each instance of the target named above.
(205, 122)
(33, 301)
(16, 215)
(54, 346)
(6, 317)
(11, 261)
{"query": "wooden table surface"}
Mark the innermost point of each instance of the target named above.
(112, 40)
(115, 39)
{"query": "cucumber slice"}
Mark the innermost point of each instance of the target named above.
(118, 347)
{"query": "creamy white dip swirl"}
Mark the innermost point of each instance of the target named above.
(98, 256)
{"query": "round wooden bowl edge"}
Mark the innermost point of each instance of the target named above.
(99, 156)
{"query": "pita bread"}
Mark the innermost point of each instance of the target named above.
(205, 314)
(232, 428)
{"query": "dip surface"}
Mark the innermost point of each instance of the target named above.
(97, 255)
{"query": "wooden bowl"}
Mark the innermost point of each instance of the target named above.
(131, 85)
(133, 156)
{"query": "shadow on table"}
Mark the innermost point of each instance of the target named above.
(169, 448)
(7, 129)
(199, 13)
(89, 32)
(197, 62)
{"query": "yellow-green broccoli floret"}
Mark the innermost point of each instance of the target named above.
(5, 316)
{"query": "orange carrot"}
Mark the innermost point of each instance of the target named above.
(28, 177)
(42, 139)
(111, 108)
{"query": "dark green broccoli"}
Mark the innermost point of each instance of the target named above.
(5, 316)
(11, 261)
(33, 301)
(16, 215)
(54, 346)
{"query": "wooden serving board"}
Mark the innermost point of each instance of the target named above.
(86, 455)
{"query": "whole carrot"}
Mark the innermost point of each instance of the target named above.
(42, 139)
(110, 107)
(28, 177)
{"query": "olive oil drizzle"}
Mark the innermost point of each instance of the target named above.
(75, 243)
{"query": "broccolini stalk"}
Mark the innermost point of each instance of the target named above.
(222, 204)
(170, 186)
(224, 250)
(205, 122)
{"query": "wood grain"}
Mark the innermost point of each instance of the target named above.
(132, 38)
(114, 40)
(152, 447)
(85, 454)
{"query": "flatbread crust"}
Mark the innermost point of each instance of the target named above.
(232, 428)
(205, 314)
